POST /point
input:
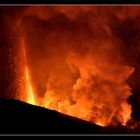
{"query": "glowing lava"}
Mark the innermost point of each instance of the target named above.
(27, 79)
(74, 71)
(29, 89)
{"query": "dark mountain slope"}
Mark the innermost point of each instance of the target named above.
(17, 117)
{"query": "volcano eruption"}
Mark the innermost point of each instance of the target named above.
(82, 61)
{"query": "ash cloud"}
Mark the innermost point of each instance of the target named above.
(83, 55)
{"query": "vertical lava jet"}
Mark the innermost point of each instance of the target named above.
(27, 84)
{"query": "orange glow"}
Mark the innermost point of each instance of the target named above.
(126, 113)
(77, 70)
(27, 79)
(100, 123)
(29, 89)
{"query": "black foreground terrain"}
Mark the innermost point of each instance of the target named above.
(17, 117)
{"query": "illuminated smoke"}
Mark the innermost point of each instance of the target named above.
(76, 63)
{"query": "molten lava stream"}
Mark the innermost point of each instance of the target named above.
(29, 89)
(27, 79)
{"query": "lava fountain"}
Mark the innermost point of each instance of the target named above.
(80, 71)
(27, 78)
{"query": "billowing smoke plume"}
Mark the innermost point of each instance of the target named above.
(78, 61)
